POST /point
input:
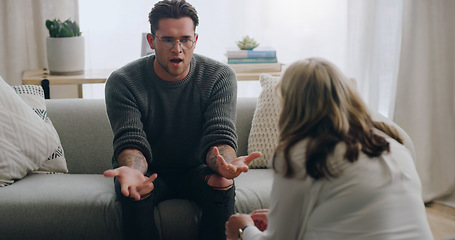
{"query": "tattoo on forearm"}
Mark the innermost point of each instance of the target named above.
(222, 150)
(133, 159)
(227, 152)
(211, 159)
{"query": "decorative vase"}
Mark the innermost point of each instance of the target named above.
(66, 55)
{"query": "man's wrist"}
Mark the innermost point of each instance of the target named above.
(227, 152)
(134, 159)
(242, 230)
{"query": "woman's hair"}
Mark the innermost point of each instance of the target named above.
(171, 9)
(321, 105)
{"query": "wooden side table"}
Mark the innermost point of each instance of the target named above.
(254, 75)
(43, 78)
(252, 71)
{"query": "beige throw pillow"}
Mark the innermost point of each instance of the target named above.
(33, 95)
(264, 128)
(26, 141)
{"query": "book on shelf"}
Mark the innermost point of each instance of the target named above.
(252, 60)
(256, 67)
(265, 52)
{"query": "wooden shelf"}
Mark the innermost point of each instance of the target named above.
(45, 79)
(34, 77)
(254, 76)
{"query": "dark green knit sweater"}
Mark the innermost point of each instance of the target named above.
(172, 123)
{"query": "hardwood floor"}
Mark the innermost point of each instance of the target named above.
(442, 221)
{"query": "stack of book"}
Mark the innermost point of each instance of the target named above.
(256, 60)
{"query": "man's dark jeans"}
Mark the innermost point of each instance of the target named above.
(216, 205)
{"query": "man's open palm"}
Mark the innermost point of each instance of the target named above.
(236, 166)
(133, 183)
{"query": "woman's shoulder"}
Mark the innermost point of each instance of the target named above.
(395, 148)
(297, 157)
(336, 160)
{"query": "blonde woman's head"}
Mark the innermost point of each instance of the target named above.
(321, 104)
(314, 91)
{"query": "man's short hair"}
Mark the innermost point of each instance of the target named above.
(171, 9)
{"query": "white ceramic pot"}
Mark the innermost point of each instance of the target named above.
(66, 55)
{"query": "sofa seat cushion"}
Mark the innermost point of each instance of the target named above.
(84, 206)
(253, 190)
(60, 206)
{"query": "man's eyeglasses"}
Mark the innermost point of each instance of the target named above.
(185, 43)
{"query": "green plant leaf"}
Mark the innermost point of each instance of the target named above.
(67, 28)
(64, 32)
(75, 29)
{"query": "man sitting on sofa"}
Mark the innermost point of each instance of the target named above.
(173, 119)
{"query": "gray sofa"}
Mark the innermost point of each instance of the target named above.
(82, 204)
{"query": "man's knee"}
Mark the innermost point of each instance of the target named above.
(219, 182)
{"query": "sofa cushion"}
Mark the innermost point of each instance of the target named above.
(245, 111)
(84, 130)
(253, 189)
(26, 141)
(264, 128)
(84, 206)
(62, 206)
(33, 95)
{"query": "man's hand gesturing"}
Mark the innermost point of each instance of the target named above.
(224, 161)
(133, 183)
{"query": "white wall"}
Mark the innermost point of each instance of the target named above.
(296, 28)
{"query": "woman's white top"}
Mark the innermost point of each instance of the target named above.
(372, 198)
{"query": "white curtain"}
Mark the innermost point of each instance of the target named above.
(23, 33)
(425, 101)
(402, 54)
(373, 50)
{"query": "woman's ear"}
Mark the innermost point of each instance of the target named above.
(150, 40)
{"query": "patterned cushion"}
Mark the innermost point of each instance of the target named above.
(26, 141)
(33, 95)
(264, 127)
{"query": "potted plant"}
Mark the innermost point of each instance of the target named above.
(65, 48)
(247, 43)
